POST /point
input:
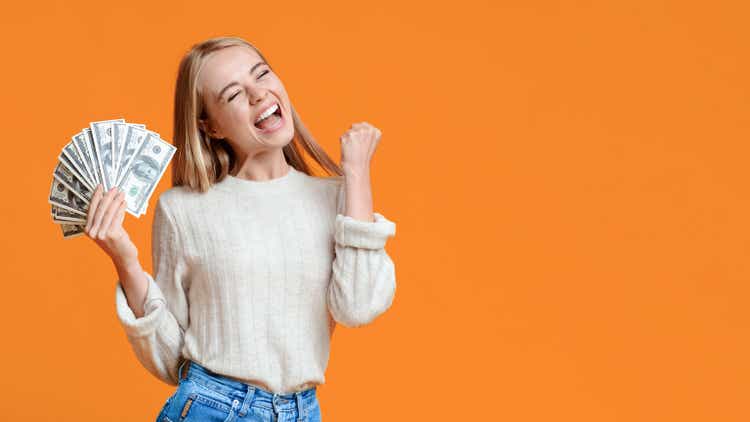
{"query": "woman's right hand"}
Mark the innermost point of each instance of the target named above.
(104, 225)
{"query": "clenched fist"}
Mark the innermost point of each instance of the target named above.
(357, 147)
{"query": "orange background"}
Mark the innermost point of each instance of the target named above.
(568, 181)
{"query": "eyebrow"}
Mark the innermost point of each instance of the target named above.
(252, 69)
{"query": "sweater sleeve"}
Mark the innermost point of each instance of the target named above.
(363, 280)
(158, 336)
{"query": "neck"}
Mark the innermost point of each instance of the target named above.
(261, 166)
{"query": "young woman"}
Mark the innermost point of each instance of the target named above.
(255, 260)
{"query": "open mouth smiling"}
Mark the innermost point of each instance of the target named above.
(271, 118)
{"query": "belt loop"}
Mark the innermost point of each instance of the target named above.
(300, 408)
(248, 400)
(184, 363)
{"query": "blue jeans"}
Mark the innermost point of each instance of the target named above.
(206, 396)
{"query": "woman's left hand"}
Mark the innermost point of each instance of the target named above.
(357, 147)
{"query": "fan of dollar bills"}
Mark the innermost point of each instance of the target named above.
(112, 153)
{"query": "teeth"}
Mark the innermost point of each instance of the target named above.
(268, 112)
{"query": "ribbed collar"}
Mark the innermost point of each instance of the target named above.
(288, 182)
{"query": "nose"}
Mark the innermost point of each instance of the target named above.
(255, 95)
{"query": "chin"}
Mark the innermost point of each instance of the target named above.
(285, 134)
(284, 141)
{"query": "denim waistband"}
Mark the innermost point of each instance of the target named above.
(244, 392)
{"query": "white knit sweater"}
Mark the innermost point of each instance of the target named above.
(250, 278)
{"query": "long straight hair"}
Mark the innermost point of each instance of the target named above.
(200, 160)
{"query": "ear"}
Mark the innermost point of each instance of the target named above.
(206, 127)
(203, 124)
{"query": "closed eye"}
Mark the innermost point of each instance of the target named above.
(236, 93)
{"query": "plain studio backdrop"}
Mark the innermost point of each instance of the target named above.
(568, 179)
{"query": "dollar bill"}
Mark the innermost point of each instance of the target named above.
(134, 136)
(144, 172)
(119, 141)
(63, 159)
(94, 156)
(74, 162)
(82, 145)
(63, 175)
(63, 215)
(102, 133)
(72, 230)
(61, 196)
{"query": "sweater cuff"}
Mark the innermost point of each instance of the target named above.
(350, 231)
(145, 325)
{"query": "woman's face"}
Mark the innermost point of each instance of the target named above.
(237, 87)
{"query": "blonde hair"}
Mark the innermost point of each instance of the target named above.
(200, 160)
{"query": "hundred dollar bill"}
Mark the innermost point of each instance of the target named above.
(60, 221)
(144, 172)
(62, 174)
(144, 209)
(76, 162)
(94, 156)
(103, 135)
(84, 148)
(120, 131)
(134, 137)
(60, 214)
(72, 230)
(70, 167)
(61, 196)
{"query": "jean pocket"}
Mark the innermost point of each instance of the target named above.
(201, 407)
